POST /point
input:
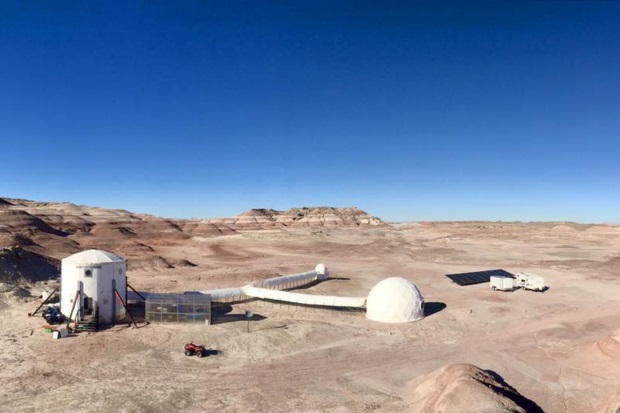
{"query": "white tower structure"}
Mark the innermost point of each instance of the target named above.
(88, 283)
(395, 300)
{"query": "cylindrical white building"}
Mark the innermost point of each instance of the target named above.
(93, 275)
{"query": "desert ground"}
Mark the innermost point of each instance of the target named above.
(560, 350)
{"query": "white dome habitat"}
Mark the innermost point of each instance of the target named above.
(395, 300)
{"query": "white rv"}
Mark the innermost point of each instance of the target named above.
(502, 283)
(530, 281)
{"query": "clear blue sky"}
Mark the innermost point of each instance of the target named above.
(495, 110)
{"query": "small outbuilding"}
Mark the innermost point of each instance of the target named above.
(502, 283)
(91, 282)
(395, 300)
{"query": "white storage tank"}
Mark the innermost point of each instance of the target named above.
(93, 275)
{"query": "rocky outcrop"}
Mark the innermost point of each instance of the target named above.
(300, 217)
(24, 222)
(20, 266)
(205, 228)
(328, 217)
(257, 219)
(465, 388)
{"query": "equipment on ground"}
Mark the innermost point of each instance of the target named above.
(530, 281)
(53, 315)
(191, 349)
(502, 283)
(477, 277)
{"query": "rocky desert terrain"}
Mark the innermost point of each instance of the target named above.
(477, 350)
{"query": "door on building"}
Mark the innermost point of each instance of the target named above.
(88, 306)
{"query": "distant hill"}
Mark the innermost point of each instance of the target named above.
(54, 230)
(18, 266)
(323, 216)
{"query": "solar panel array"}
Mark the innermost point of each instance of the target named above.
(478, 277)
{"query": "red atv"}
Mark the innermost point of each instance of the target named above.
(191, 349)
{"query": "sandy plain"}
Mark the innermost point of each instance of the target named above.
(556, 348)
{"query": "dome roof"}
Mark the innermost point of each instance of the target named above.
(93, 257)
(395, 300)
(322, 270)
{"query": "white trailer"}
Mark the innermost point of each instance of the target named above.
(530, 281)
(502, 283)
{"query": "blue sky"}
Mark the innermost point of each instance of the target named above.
(450, 111)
